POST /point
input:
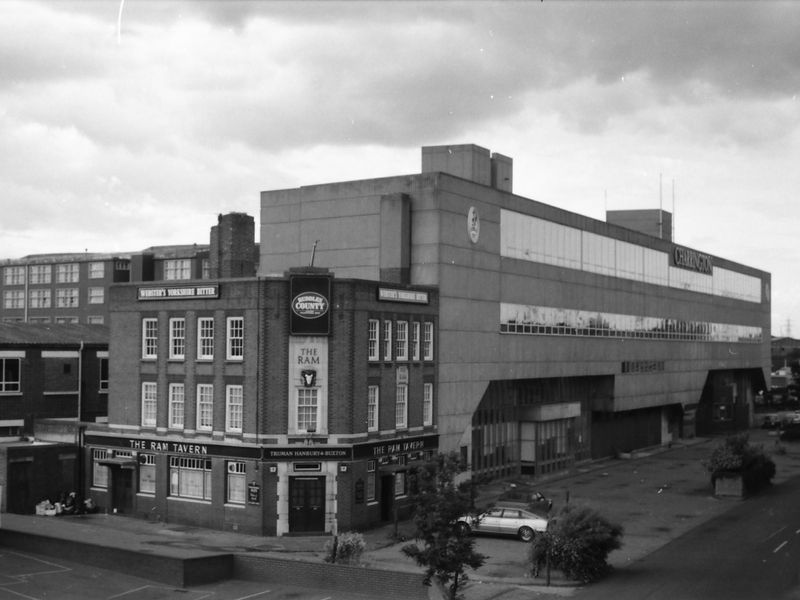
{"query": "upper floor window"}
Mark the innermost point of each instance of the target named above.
(415, 341)
(9, 375)
(307, 409)
(95, 320)
(66, 297)
(177, 338)
(67, 273)
(205, 338)
(401, 407)
(372, 340)
(40, 298)
(13, 299)
(40, 274)
(373, 397)
(235, 338)
(97, 295)
(14, 275)
(205, 269)
(178, 269)
(234, 402)
(427, 404)
(427, 341)
(177, 398)
(401, 340)
(149, 338)
(205, 406)
(97, 270)
(387, 340)
(149, 404)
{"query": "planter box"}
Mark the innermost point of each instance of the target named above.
(730, 486)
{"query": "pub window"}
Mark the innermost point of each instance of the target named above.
(427, 341)
(370, 481)
(149, 338)
(401, 341)
(387, 340)
(177, 338)
(307, 404)
(190, 477)
(400, 483)
(99, 472)
(236, 483)
(372, 340)
(147, 473)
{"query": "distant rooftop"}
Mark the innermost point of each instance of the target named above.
(52, 334)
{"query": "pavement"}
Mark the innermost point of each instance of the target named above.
(656, 495)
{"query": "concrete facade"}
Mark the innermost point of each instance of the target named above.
(674, 346)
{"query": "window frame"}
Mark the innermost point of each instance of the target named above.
(180, 468)
(234, 408)
(205, 405)
(149, 338)
(373, 407)
(147, 466)
(177, 406)
(67, 273)
(386, 349)
(177, 338)
(427, 404)
(401, 341)
(96, 295)
(373, 340)
(236, 471)
(205, 338)
(427, 340)
(415, 340)
(149, 416)
(230, 338)
(10, 386)
(304, 397)
(401, 406)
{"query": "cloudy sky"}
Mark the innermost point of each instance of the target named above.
(130, 124)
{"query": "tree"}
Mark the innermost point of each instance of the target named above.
(577, 543)
(439, 502)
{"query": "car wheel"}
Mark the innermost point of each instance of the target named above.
(525, 534)
(463, 529)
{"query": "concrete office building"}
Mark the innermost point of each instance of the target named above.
(560, 337)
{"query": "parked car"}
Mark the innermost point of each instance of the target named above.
(789, 432)
(500, 520)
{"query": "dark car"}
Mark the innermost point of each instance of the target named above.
(789, 431)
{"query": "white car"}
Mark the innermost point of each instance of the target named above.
(504, 521)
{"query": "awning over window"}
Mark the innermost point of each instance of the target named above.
(124, 462)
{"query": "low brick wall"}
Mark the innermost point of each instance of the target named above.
(180, 572)
(387, 585)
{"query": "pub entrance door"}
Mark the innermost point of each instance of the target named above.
(121, 489)
(306, 504)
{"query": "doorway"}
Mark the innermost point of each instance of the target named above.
(306, 504)
(121, 489)
(387, 497)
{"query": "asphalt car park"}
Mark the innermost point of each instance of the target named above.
(33, 577)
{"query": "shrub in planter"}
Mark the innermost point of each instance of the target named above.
(348, 548)
(578, 543)
(736, 457)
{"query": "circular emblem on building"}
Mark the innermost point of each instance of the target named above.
(473, 224)
(309, 305)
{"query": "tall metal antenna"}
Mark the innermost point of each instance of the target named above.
(313, 252)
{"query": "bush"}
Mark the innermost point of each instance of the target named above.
(348, 546)
(736, 456)
(578, 542)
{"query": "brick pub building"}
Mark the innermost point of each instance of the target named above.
(271, 405)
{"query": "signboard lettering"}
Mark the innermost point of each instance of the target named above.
(188, 291)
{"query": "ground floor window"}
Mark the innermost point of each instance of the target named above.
(370, 481)
(400, 483)
(147, 473)
(99, 472)
(236, 484)
(190, 477)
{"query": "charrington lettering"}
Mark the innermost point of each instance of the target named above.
(691, 259)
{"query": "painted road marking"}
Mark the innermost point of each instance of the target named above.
(782, 544)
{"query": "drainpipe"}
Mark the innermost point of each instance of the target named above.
(80, 380)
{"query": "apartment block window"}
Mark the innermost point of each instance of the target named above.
(67, 273)
(177, 269)
(39, 298)
(14, 275)
(103, 374)
(235, 338)
(387, 340)
(307, 404)
(401, 407)
(99, 472)
(415, 341)
(147, 473)
(373, 396)
(177, 338)
(372, 340)
(427, 404)
(10, 375)
(40, 274)
(427, 341)
(13, 299)
(97, 295)
(66, 320)
(205, 406)
(190, 477)
(66, 297)
(95, 320)
(236, 484)
(177, 403)
(401, 341)
(371, 481)
(205, 338)
(149, 404)
(234, 401)
(149, 338)
(97, 270)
